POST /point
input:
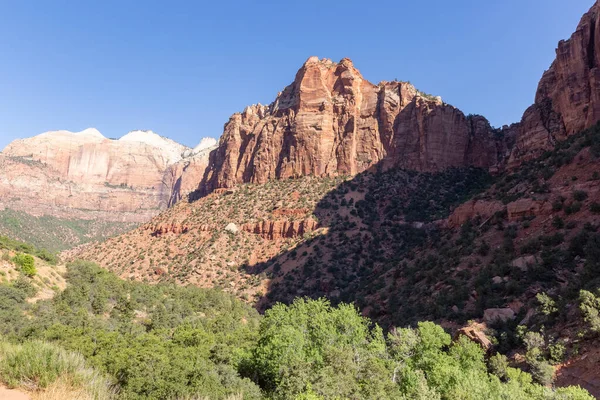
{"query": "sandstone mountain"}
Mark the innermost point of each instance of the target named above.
(86, 176)
(331, 125)
(331, 121)
(568, 96)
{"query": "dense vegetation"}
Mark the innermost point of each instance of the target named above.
(8, 244)
(160, 342)
(56, 234)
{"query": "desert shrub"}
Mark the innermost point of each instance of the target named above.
(589, 305)
(547, 305)
(26, 262)
(580, 195)
(573, 208)
(558, 222)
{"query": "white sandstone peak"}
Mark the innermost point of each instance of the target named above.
(172, 150)
(205, 143)
(91, 132)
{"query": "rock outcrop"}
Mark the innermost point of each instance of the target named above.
(492, 315)
(331, 121)
(85, 175)
(476, 333)
(473, 208)
(182, 177)
(568, 96)
(281, 229)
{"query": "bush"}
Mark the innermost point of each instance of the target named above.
(542, 372)
(595, 207)
(547, 305)
(558, 222)
(573, 208)
(580, 195)
(498, 365)
(589, 304)
(27, 264)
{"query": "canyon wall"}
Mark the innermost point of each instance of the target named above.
(568, 95)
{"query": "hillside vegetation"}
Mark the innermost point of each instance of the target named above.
(404, 246)
(139, 341)
(57, 234)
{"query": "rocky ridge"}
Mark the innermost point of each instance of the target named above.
(332, 121)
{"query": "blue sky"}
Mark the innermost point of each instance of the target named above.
(181, 68)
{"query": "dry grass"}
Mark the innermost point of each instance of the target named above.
(50, 372)
(61, 389)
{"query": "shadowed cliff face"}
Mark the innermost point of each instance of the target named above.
(331, 121)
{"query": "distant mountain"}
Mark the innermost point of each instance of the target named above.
(83, 175)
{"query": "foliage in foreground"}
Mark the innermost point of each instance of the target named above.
(170, 342)
(37, 365)
(311, 350)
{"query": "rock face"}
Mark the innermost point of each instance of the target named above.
(473, 208)
(331, 121)
(182, 177)
(476, 333)
(568, 96)
(85, 175)
(281, 229)
(524, 208)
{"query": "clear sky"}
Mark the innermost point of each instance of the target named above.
(181, 68)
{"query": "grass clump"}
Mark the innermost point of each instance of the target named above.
(36, 365)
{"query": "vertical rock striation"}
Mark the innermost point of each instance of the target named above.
(568, 95)
(331, 121)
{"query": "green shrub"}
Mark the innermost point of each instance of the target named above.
(557, 352)
(589, 305)
(547, 305)
(27, 264)
(498, 365)
(542, 372)
(580, 195)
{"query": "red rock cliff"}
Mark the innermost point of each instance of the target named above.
(332, 121)
(568, 96)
